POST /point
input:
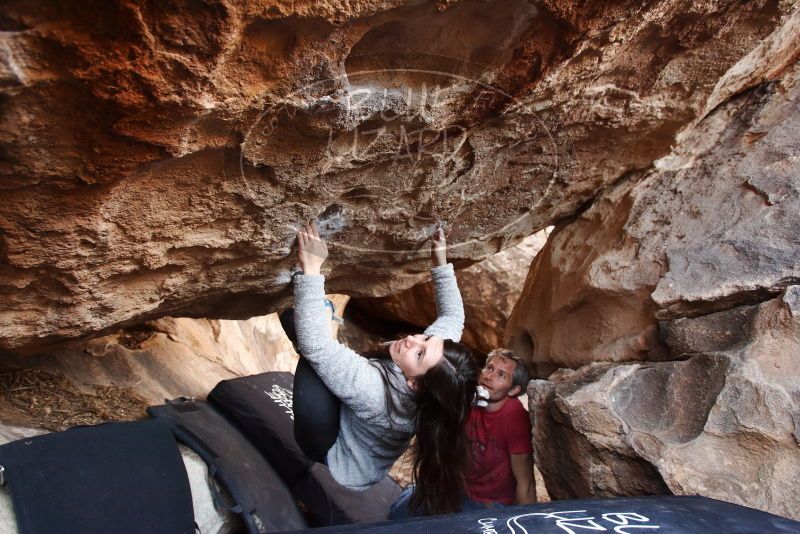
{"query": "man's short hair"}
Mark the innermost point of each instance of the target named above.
(521, 374)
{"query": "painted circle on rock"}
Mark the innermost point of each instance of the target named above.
(413, 149)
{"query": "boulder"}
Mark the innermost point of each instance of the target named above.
(710, 226)
(156, 160)
(665, 316)
(167, 358)
(723, 421)
(161, 359)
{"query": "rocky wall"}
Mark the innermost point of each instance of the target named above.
(155, 157)
(116, 376)
(670, 308)
(723, 421)
(161, 359)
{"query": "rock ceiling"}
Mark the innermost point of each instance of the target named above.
(156, 156)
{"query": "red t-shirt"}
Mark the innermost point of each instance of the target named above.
(495, 436)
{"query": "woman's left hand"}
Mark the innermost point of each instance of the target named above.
(439, 248)
(311, 249)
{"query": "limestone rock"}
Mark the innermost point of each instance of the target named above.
(155, 159)
(722, 423)
(489, 289)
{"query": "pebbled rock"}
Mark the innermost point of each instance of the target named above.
(155, 157)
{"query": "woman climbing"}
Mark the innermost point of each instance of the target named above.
(358, 415)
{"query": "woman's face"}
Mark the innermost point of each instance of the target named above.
(414, 355)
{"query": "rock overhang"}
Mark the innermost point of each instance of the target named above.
(162, 167)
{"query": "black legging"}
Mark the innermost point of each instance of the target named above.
(316, 413)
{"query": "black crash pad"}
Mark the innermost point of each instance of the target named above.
(262, 406)
(635, 515)
(125, 478)
(260, 497)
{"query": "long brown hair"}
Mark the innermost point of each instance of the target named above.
(441, 449)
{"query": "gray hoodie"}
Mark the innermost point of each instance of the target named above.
(368, 442)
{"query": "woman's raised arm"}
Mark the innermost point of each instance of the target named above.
(346, 374)
(449, 323)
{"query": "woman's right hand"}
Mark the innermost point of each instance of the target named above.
(439, 248)
(311, 249)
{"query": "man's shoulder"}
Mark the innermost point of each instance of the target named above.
(514, 408)
(516, 420)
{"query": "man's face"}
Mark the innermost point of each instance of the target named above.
(496, 377)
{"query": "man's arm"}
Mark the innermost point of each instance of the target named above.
(522, 468)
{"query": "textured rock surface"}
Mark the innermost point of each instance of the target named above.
(674, 300)
(169, 358)
(115, 377)
(723, 423)
(712, 225)
(155, 156)
(489, 288)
